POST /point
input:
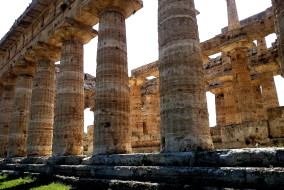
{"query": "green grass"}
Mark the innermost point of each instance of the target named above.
(4, 176)
(28, 183)
(14, 182)
(53, 186)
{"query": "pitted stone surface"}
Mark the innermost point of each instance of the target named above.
(184, 116)
(112, 130)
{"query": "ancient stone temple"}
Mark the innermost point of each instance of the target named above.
(151, 129)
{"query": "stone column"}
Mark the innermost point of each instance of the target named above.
(69, 113)
(112, 130)
(230, 103)
(260, 115)
(261, 46)
(183, 107)
(233, 18)
(135, 118)
(220, 109)
(243, 86)
(269, 92)
(6, 108)
(21, 109)
(278, 6)
(151, 114)
(40, 131)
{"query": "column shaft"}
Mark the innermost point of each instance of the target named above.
(112, 131)
(69, 113)
(151, 114)
(233, 18)
(220, 109)
(6, 108)
(260, 115)
(20, 116)
(243, 86)
(279, 12)
(269, 92)
(261, 46)
(230, 103)
(40, 132)
(184, 116)
(135, 119)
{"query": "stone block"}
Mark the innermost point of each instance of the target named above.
(250, 134)
(276, 122)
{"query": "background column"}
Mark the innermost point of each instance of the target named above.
(40, 131)
(69, 113)
(21, 109)
(184, 116)
(233, 18)
(6, 108)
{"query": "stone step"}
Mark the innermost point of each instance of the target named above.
(107, 184)
(257, 157)
(235, 177)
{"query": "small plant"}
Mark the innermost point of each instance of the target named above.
(53, 186)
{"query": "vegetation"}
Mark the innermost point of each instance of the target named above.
(14, 182)
(27, 183)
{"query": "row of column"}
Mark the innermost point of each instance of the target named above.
(184, 117)
(241, 100)
(28, 97)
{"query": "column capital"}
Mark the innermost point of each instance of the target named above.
(24, 67)
(136, 81)
(126, 7)
(8, 79)
(43, 51)
(72, 30)
(242, 45)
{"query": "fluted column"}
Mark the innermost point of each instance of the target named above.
(260, 114)
(6, 108)
(21, 109)
(136, 120)
(184, 116)
(69, 113)
(151, 113)
(261, 46)
(40, 131)
(220, 109)
(233, 18)
(243, 86)
(269, 92)
(278, 6)
(112, 130)
(230, 103)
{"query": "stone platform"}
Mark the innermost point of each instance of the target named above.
(260, 168)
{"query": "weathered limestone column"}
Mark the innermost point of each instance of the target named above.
(112, 130)
(183, 107)
(278, 6)
(243, 85)
(40, 131)
(230, 103)
(233, 18)
(269, 92)
(69, 113)
(261, 46)
(220, 109)
(151, 114)
(21, 109)
(135, 118)
(6, 108)
(260, 115)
